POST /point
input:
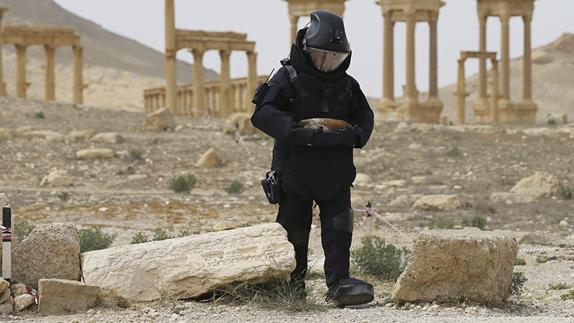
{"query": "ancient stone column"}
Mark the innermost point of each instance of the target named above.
(433, 54)
(294, 21)
(461, 93)
(505, 48)
(225, 84)
(78, 75)
(483, 75)
(251, 79)
(2, 82)
(21, 82)
(50, 77)
(199, 106)
(411, 61)
(389, 58)
(495, 112)
(527, 60)
(170, 56)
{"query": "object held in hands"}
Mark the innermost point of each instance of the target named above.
(325, 124)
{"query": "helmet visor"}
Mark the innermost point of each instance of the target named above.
(326, 60)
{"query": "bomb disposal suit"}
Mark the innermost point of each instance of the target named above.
(315, 161)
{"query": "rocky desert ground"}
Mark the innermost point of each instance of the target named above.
(475, 168)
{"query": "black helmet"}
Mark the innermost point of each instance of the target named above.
(326, 41)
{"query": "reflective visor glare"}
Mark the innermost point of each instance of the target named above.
(326, 61)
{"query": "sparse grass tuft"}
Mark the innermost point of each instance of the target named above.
(22, 229)
(566, 192)
(569, 295)
(160, 234)
(454, 152)
(478, 221)
(378, 258)
(64, 196)
(520, 262)
(234, 188)
(559, 286)
(181, 184)
(277, 294)
(139, 237)
(94, 239)
(442, 223)
(518, 281)
(39, 115)
(135, 154)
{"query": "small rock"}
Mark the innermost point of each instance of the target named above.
(161, 119)
(209, 159)
(361, 179)
(241, 122)
(108, 137)
(402, 201)
(438, 202)
(5, 296)
(3, 285)
(79, 135)
(563, 223)
(7, 308)
(59, 296)
(22, 302)
(18, 289)
(57, 178)
(95, 154)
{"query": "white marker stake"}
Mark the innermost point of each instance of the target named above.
(7, 243)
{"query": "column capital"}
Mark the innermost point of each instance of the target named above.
(224, 53)
(505, 18)
(527, 18)
(197, 51)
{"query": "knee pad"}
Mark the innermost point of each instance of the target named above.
(343, 221)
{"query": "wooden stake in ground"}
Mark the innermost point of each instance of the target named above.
(7, 243)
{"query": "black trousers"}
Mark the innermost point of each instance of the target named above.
(295, 215)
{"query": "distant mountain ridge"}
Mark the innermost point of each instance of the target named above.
(102, 47)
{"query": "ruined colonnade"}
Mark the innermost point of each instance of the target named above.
(22, 37)
(198, 42)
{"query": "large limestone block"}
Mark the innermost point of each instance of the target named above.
(450, 265)
(95, 154)
(49, 251)
(60, 296)
(538, 186)
(191, 266)
(437, 202)
(161, 119)
(48, 135)
(241, 122)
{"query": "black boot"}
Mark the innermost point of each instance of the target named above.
(349, 292)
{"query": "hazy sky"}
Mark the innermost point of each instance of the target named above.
(266, 22)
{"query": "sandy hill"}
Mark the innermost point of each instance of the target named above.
(102, 47)
(553, 81)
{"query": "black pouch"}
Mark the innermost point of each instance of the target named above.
(272, 187)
